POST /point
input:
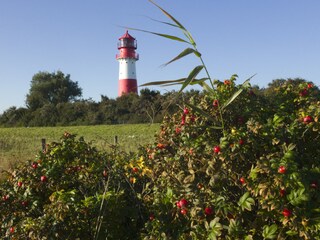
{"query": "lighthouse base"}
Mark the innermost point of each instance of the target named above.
(127, 86)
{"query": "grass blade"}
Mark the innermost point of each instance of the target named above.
(181, 80)
(194, 82)
(184, 53)
(199, 81)
(207, 88)
(174, 82)
(245, 84)
(171, 37)
(187, 34)
(169, 16)
(191, 76)
(167, 23)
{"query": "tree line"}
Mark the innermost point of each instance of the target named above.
(55, 100)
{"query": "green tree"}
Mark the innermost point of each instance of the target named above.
(14, 117)
(150, 103)
(44, 116)
(52, 88)
(126, 108)
(107, 108)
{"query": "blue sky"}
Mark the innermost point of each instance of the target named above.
(273, 39)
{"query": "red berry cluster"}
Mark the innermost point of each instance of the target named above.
(182, 204)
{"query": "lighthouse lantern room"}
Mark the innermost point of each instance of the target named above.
(127, 58)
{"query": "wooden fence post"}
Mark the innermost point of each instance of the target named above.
(116, 140)
(43, 144)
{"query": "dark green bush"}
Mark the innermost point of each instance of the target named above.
(70, 191)
(257, 178)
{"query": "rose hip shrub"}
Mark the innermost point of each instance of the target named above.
(250, 170)
(70, 191)
(219, 169)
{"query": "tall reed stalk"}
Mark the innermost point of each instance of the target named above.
(207, 83)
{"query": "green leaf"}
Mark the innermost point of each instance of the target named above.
(199, 81)
(171, 37)
(248, 237)
(169, 193)
(246, 202)
(291, 233)
(191, 76)
(233, 77)
(184, 53)
(297, 197)
(168, 198)
(277, 119)
(234, 227)
(215, 229)
(187, 34)
(269, 232)
(167, 23)
(172, 82)
(89, 201)
(194, 82)
(208, 88)
(236, 94)
(291, 147)
(169, 15)
(254, 173)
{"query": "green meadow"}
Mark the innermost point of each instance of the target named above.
(21, 144)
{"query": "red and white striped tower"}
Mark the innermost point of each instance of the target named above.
(127, 58)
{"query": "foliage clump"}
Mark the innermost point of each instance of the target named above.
(257, 178)
(70, 191)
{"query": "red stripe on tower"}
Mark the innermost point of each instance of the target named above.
(127, 58)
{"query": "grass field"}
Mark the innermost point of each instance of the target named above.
(21, 144)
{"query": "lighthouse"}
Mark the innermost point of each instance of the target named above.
(127, 58)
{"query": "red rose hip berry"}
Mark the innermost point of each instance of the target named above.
(151, 217)
(184, 211)
(307, 119)
(286, 212)
(282, 192)
(34, 165)
(314, 184)
(282, 170)
(208, 211)
(216, 149)
(24, 203)
(242, 180)
(183, 203)
(5, 197)
(43, 178)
